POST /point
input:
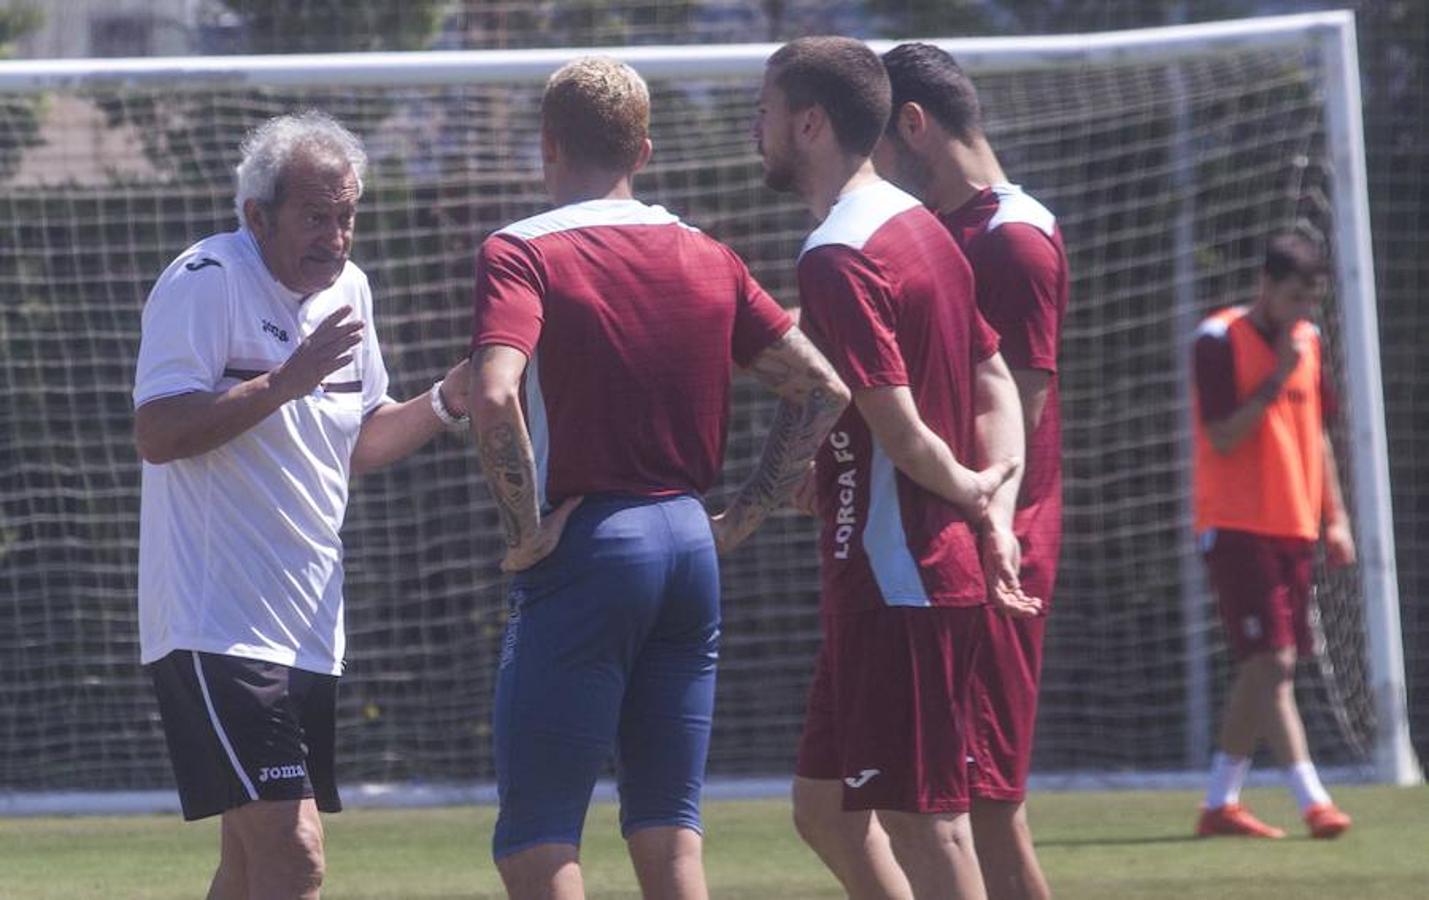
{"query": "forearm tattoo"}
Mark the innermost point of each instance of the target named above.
(809, 406)
(774, 367)
(793, 439)
(510, 469)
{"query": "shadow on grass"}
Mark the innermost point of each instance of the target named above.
(1118, 841)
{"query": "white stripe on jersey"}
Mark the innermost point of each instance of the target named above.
(858, 214)
(536, 424)
(1015, 206)
(591, 214)
(1215, 327)
(885, 541)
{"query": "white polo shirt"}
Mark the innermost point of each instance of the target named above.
(239, 550)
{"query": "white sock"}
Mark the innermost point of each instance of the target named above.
(1305, 785)
(1227, 775)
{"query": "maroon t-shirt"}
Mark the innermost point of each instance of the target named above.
(885, 317)
(1016, 252)
(632, 321)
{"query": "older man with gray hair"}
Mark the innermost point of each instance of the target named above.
(260, 388)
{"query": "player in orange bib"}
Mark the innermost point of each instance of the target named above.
(1266, 490)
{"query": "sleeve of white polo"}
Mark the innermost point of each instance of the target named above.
(183, 344)
(374, 370)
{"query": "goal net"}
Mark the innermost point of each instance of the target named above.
(1166, 168)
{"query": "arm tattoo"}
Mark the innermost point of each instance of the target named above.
(510, 468)
(774, 367)
(811, 400)
(793, 439)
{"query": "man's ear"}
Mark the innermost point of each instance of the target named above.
(255, 217)
(550, 150)
(912, 122)
(643, 159)
(811, 122)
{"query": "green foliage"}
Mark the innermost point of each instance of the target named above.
(329, 26)
(933, 18)
(20, 113)
(168, 123)
(16, 22)
(601, 22)
(951, 18)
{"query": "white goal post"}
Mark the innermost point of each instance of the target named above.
(1326, 39)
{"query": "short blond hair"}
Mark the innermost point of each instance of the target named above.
(597, 110)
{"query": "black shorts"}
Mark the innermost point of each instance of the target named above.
(243, 729)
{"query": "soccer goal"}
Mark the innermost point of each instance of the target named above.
(1168, 154)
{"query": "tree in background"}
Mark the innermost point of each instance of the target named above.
(165, 122)
(15, 23)
(950, 18)
(329, 26)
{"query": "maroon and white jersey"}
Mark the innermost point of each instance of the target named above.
(631, 321)
(885, 316)
(1015, 249)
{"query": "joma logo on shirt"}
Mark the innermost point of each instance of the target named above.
(279, 333)
(844, 518)
(281, 773)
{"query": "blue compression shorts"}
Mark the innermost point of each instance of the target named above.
(610, 647)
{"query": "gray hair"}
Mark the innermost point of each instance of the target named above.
(270, 148)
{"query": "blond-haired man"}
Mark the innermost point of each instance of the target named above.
(605, 335)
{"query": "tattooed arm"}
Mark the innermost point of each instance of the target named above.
(811, 400)
(504, 447)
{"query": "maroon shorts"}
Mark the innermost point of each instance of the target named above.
(1004, 706)
(888, 710)
(1263, 586)
(1009, 668)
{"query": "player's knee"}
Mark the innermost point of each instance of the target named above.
(998, 819)
(1284, 661)
(808, 822)
(230, 879)
(672, 846)
(820, 826)
(302, 859)
(929, 833)
(1272, 667)
(1275, 668)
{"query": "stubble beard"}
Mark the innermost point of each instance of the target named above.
(779, 175)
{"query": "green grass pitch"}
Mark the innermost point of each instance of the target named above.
(1105, 845)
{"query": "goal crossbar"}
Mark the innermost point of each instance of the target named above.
(982, 54)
